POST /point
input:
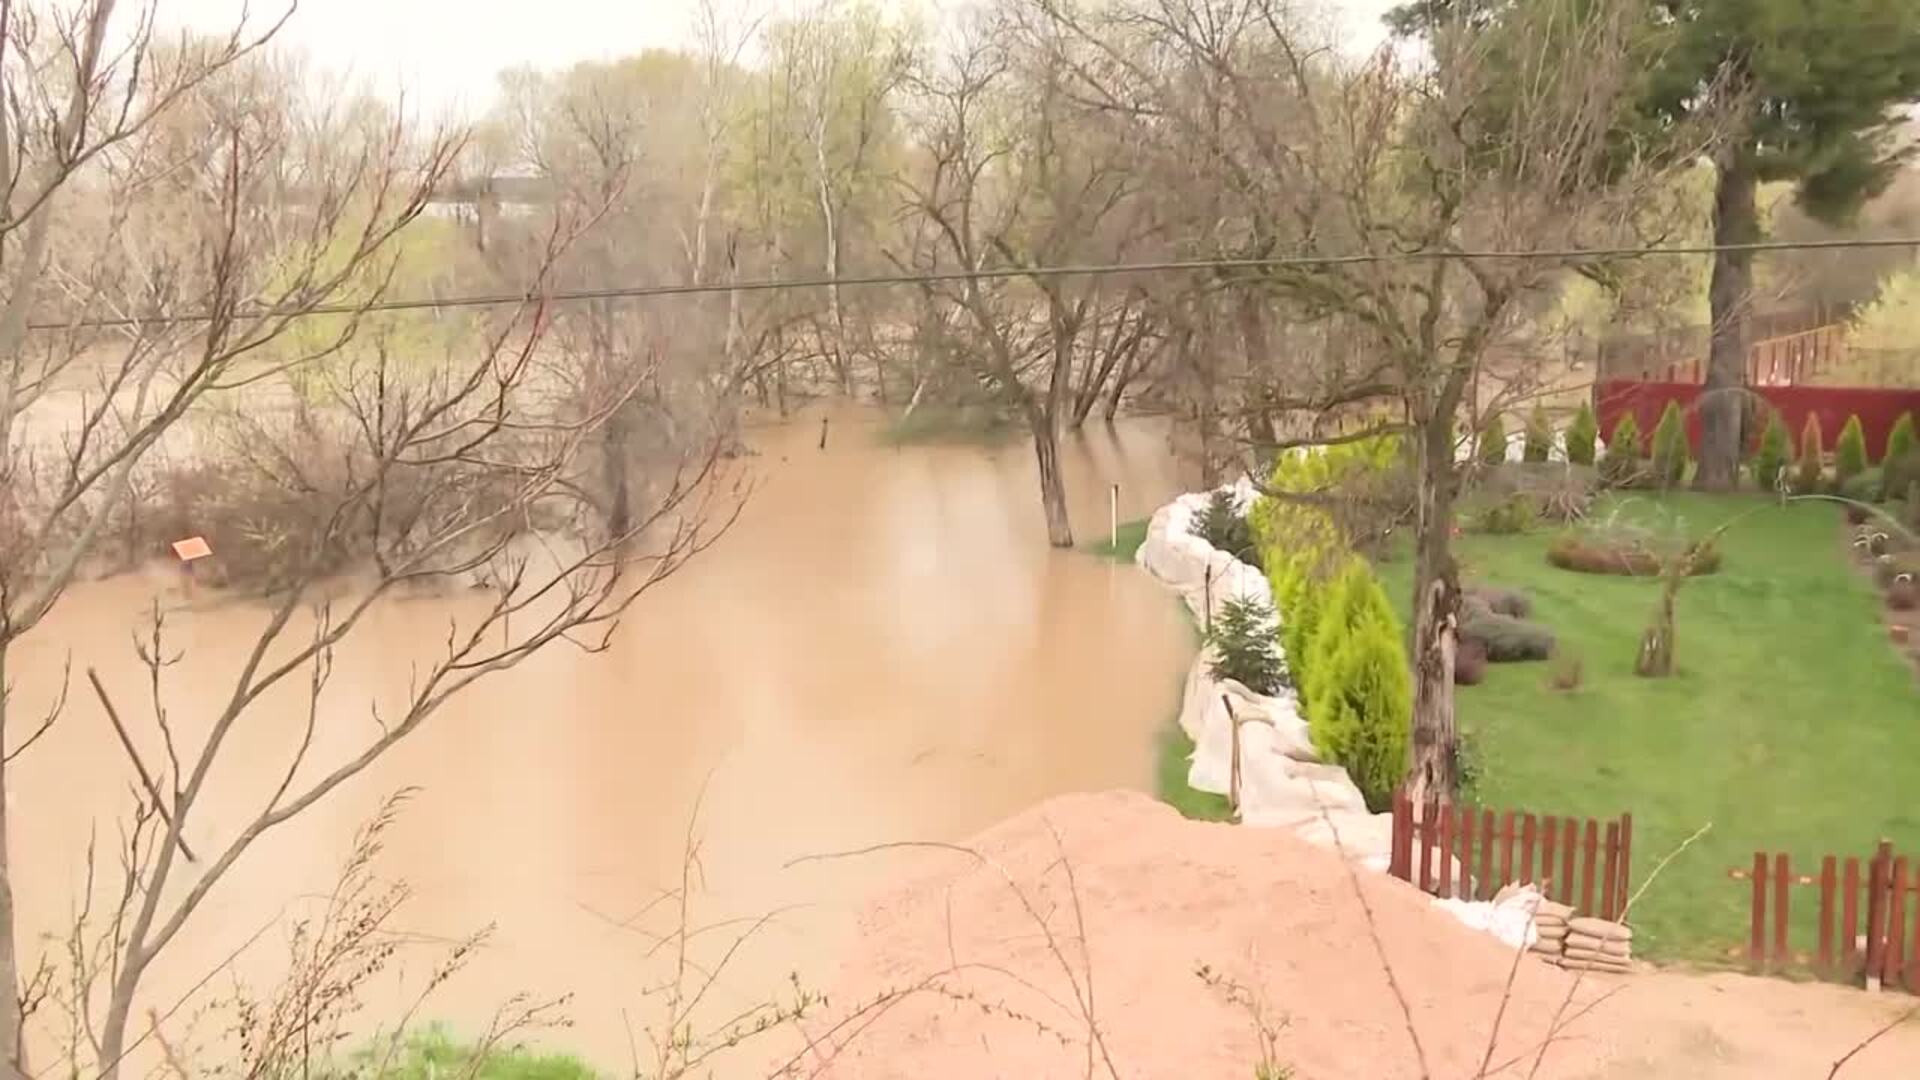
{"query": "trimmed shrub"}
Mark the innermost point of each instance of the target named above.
(1505, 638)
(1889, 569)
(1630, 558)
(1514, 514)
(1620, 465)
(1902, 595)
(1810, 474)
(1670, 452)
(1900, 457)
(1865, 486)
(1244, 649)
(1581, 435)
(1493, 442)
(1849, 453)
(1771, 460)
(1469, 663)
(1568, 671)
(1225, 527)
(1500, 601)
(1361, 699)
(1539, 445)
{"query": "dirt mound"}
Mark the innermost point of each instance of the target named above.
(977, 968)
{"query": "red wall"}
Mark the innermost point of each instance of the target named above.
(1877, 409)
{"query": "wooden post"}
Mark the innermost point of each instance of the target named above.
(1913, 943)
(1757, 929)
(1527, 834)
(1447, 811)
(1487, 885)
(1781, 954)
(1850, 917)
(1626, 865)
(1877, 912)
(1894, 967)
(1610, 876)
(1549, 844)
(1506, 849)
(1400, 864)
(1826, 913)
(1113, 514)
(1428, 811)
(1207, 606)
(1568, 843)
(1233, 771)
(1586, 868)
(1468, 886)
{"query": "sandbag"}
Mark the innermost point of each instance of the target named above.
(1553, 909)
(1621, 949)
(1602, 929)
(1597, 966)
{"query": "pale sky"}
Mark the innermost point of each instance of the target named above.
(448, 52)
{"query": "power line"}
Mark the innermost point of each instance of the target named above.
(635, 292)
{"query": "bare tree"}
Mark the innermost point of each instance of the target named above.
(1383, 178)
(172, 227)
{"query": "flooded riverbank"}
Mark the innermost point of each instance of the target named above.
(883, 648)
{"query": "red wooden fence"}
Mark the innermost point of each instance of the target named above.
(1878, 410)
(1583, 862)
(1885, 892)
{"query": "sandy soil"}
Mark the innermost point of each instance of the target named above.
(1159, 897)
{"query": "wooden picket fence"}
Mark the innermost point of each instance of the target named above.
(1884, 951)
(1582, 862)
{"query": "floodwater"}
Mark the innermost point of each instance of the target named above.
(882, 649)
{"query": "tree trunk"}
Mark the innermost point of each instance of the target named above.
(1435, 769)
(12, 1052)
(1053, 487)
(613, 472)
(1736, 220)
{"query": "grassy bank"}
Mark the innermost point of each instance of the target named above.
(435, 1053)
(1174, 748)
(1790, 724)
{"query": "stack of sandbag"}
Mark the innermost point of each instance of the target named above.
(1550, 924)
(1598, 945)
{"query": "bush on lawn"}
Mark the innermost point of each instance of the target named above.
(1627, 556)
(1360, 690)
(1493, 441)
(1506, 639)
(1514, 514)
(1849, 453)
(1244, 648)
(1223, 525)
(1581, 435)
(1888, 569)
(1903, 594)
(1865, 486)
(1500, 601)
(1469, 663)
(1539, 446)
(1900, 462)
(1568, 671)
(1810, 474)
(1771, 460)
(1621, 466)
(1670, 452)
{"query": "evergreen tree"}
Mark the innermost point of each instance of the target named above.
(1899, 465)
(1539, 435)
(1812, 471)
(1670, 452)
(1244, 648)
(1621, 463)
(1771, 460)
(1581, 435)
(1493, 441)
(1849, 453)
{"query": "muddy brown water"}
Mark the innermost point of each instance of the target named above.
(883, 648)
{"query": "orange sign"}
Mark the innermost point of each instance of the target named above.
(193, 547)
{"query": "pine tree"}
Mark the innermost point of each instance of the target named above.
(1363, 701)
(1811, 471)
(1493, 441)
(1900, 465)
(1849, 453)
(1581, 435)
(1244, 648)
(1771, 460)
(1670, 452)
(1539, 435)
(1620, 465)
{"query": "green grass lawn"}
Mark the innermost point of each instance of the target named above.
(1791, 724)
(1132, 534)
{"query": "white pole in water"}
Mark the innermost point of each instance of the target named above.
(1113, 513)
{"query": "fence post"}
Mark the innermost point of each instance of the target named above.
(1757, 930)
(1528, 827)
(1233, 769)
(1850, 957)
(1781, 954)
(1507, 837)
(1401, 863)
(1447, 811)
(1610, 877)
(1428, 812)
(1626, 864)
(1894, 969)
(1549, 843)
(1487, 886)
(1586, 866)
(1826, 914)
(1467, 883)
(1877, 912)
(1570, 841)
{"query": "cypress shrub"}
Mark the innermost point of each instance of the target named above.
(1849, 453)
(1493, 441)
(1363, 690)
(1900, 444)
(1771, 460)
(1670, 453)
(1620, 465)
(1539, 436)
(1581, 435)
(1810, 471)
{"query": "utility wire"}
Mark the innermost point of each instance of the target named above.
(632, 292)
